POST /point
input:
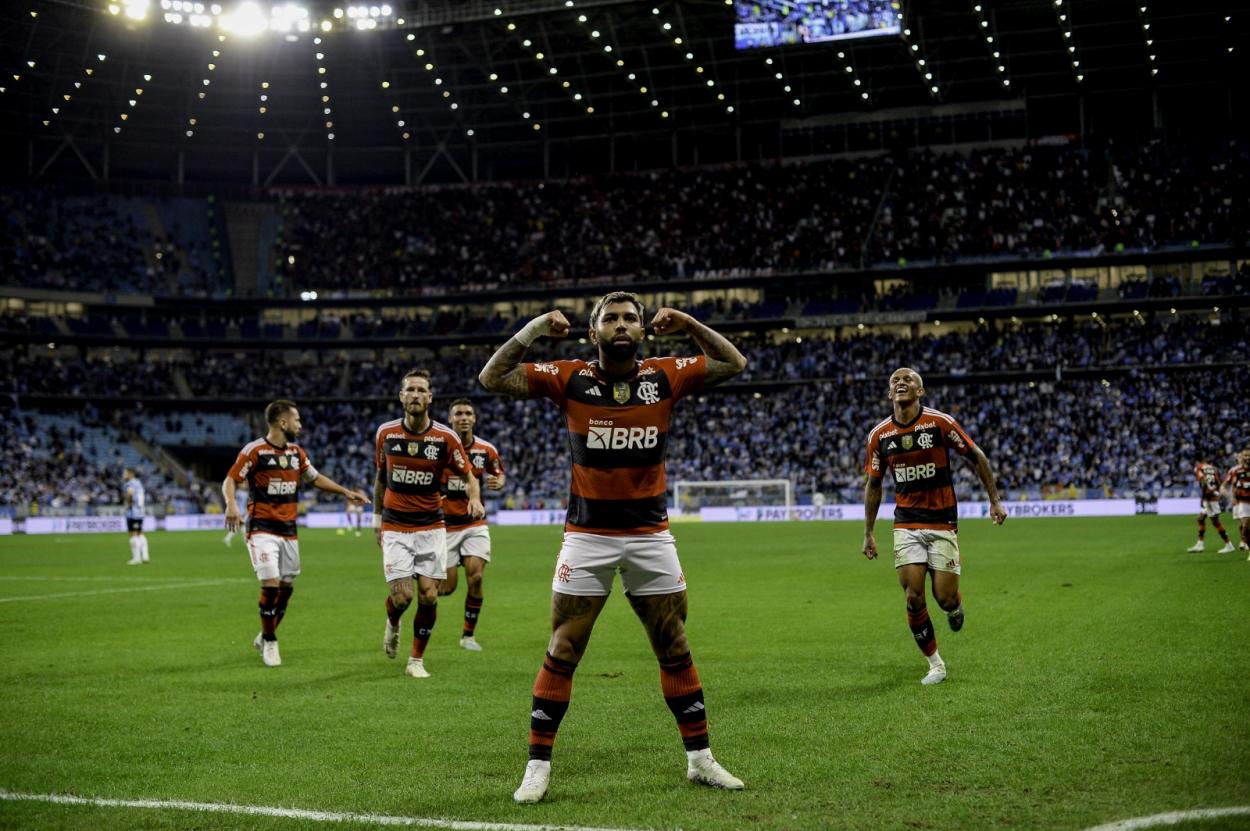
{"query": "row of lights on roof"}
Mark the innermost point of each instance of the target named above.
(1000, 66)
(679, 42)
(922, 63)
(1070, 45)
(552, 70)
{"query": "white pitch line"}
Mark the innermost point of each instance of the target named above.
(62, 578)
(294, 813)
(161, 587)
(1172, 818)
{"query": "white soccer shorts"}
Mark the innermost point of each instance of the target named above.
(273, 557)
(467, 542)
(938, 550)
(1211, 508)
(587, 565)
(1241, 510)
(405, 553)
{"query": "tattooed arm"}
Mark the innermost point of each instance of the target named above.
(503, 372)
(724, 361)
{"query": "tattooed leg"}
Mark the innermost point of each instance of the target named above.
(572, 619)
(664, 618)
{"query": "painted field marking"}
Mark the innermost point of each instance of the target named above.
(160, 587)
(51, 578)
(1173, 818)
(293, 813)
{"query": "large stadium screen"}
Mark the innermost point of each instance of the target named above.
(763, 23)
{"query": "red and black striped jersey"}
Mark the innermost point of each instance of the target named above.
(413, 465)
(1239, 478)
(483, 459)
(273, 475)
(918, 458)
(1208, 477)
(618, 432)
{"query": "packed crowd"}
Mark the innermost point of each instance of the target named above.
(1028, 202)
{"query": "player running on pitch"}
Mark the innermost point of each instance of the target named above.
(914, 444)
(1208, 477)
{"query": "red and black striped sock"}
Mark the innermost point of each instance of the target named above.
(922, 630)
(284, 597)
(1219, 526)
(268, 612)
(422, 625)
(552, 689)
(392, 614)
(683, 694)
(472, 610)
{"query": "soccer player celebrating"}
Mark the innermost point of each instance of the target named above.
(915, 445)
(274, 466)
(136, 499)
(617, 412)
(1238, 481)
(1208, 477)
(412, 454)
(468, 538)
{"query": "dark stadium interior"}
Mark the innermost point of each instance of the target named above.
(1042, 206)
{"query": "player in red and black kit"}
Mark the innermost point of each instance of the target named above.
(1238, 481)
(274, 467)
(914, 445)
(413, 454)
(468, 537)
(1208, 477)
(617, 412)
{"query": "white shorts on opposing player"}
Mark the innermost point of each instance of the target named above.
(467, 542)
(1241, 510)
(937, 550)
(1211, 509)
(588, 563)
(273, 557)
(405, 553)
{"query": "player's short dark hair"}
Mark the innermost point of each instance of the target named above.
(128, 470)
(277, 409)
(614, 297)
(416, 373)
(462, 402)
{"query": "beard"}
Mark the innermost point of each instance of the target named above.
(618, 351)
(290, 435)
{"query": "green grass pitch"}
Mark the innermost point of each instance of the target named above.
(1102, 674)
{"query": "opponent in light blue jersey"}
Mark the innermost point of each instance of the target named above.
(135, 501)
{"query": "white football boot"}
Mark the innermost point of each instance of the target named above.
(269, 653)
(702, 769)
(390, 640)
(935, 675)
(534, 783)
(1228, 548)
(470, 643)
(1196, 548)
(416, 668)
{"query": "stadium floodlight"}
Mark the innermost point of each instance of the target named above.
(136, 9)
(245, 20)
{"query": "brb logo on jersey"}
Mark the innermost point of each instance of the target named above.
(912, 473)
(404, 476)
(622, 438)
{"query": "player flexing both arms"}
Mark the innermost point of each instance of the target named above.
(468, 538)
(1208, 477)
(412, 453)
(617, 412)
(1238, 481)
(273, 467)
(914, 444)
(136, 499)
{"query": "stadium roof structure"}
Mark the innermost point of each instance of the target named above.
(464, 90)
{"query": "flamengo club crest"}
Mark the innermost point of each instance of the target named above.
(620, 392)
(283, 462)
(907, 441)
(412, 448)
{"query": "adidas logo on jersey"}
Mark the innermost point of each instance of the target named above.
(398, 448)
(271, 462)
(595, 392)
